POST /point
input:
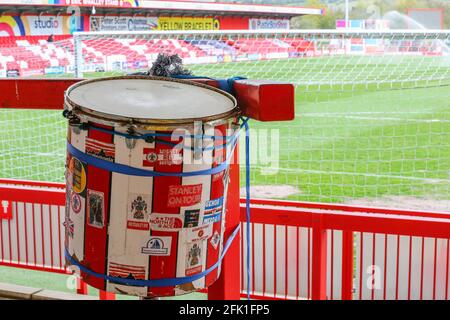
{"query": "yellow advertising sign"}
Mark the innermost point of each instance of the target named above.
(187, 23)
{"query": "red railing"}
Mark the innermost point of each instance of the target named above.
(298, 250)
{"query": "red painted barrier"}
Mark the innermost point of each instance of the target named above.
(299, 250)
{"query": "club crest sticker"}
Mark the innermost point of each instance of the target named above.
(75, 202)
(96, 209)
(102, 150)
(157, 246)
(138, 211)
(78, 172)
(193, 259)
(184, 195)
(125, 271)
(165, 222)
(164, 157)
(191, 218)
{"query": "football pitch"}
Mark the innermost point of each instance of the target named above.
(366, 129)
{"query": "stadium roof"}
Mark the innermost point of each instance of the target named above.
(191, 8)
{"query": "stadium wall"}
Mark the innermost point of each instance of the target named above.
(39, 25)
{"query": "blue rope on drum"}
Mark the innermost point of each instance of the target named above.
(226, 85)
(156, 283)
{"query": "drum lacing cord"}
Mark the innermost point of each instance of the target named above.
(181, 280)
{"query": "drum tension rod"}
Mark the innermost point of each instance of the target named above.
(74, 120)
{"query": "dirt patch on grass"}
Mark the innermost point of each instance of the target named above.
(404, 202)
(271, 191)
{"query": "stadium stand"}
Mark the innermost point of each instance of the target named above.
(31, 55)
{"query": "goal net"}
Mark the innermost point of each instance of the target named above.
(372, 120)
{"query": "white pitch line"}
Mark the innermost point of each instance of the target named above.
(429, 180)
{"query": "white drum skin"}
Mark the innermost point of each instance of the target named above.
(143, 227)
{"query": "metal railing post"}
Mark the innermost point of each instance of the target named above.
(319, 259)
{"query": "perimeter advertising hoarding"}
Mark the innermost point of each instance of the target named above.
(269, 24)
(188, 23)
(113, 23)
(33, 25)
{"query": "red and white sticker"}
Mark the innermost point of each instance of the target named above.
(102, 150)
(164, 157)
(199, 233)
(5, 209)
(184, 196)
(126, 271)
(165, 222)
(215, 240)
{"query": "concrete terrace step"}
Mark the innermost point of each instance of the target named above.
(12, 291)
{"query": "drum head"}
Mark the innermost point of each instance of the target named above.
(149, 98)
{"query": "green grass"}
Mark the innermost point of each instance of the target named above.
(364, 128)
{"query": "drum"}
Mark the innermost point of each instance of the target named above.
(146, 176)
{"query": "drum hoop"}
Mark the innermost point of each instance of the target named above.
(148, 124)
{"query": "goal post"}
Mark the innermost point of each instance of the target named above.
(372, 120)
(124, 51)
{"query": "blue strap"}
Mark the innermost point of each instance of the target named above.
(226, 85)
(155, 135)
(127, 170)
(168, 282)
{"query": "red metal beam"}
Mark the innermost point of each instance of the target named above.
(34, 93)
(33, 267)
(351, 221)
(348, 208)
(31, 183)
(34, 195)
(260, 100)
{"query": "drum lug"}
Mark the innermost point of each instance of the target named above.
(149, 139)
(131, 143)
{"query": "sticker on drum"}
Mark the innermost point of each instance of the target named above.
(102, 150)
(215, 240)
(166, 222)
(138, 211)
(75, 201)
(191, 218)
(78, 171)
(162, 157)
(184, 195)
(125, 271)
(69, 225)
(199, 233)
(193, 258)
(96, 209)
(157, 246)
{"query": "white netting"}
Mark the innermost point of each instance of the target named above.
(373, 110)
